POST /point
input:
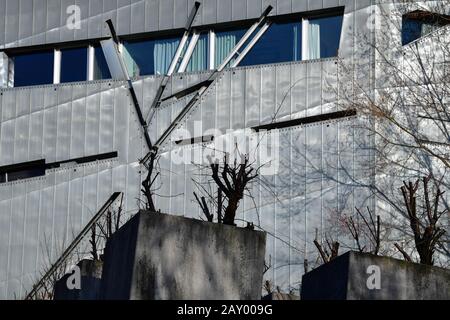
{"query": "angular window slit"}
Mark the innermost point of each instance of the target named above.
(185, 92)
(38, 168)
(203, 139)
(21, 171)
(306, 120)
(98, 157)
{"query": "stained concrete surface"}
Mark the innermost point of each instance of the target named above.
(352, 276)
(161, 257)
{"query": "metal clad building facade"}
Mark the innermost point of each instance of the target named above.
(57, 122)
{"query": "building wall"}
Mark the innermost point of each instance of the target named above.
(59, 122)
(34, 22)
(400, 73)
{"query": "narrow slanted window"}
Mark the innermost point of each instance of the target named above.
(73, 64)
(307, 120)
(22, 171)
(38, 168)
(101, 70)
(98, 157)
(33, 68)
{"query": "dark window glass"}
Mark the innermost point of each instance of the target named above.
(22, 171)
(414, 29)
(33, 69)
(138, 57)
(26, 173)
(411, 30)
(326, 34)
(101, 70)
(73, 65)
(280, 43)
(146, 57)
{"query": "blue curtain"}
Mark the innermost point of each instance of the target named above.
(199, 58)
(314, 40)
(164, 52)
(225, 42)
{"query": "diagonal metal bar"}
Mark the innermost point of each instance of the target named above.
(251, 44)
(245, 37)
(74, 244)
(162, 87)
(137, 107)
(189, 51)
(185, 92)
(203, 86)
(234, 51)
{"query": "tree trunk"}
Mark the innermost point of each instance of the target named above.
(230, 212)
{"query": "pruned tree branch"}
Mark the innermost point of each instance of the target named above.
(425, 228)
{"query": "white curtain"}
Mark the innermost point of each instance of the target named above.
(313, 40)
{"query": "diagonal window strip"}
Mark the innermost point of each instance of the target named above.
(31, 169)
(203, 139)
(306, 120)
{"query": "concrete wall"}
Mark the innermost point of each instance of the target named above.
(91, 273)
(346, 278)
(160, 257)
(280, 296)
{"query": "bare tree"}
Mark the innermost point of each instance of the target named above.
(104, 229)
(425, 226)
(327, 254)
(231, 181)
(149, 182)
(404, 109)
(369, 228)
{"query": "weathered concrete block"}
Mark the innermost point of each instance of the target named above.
(353, 276)
(280, 296)
(90, 281)
(162, 257)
